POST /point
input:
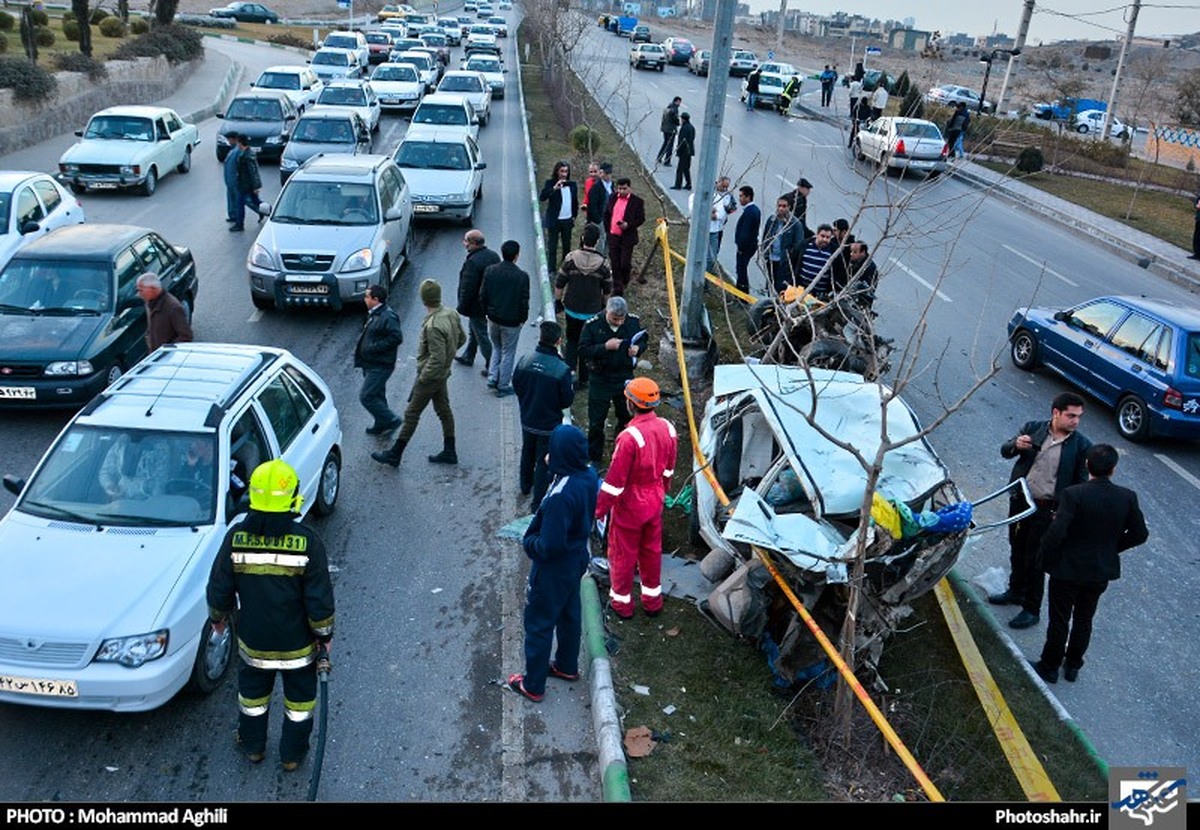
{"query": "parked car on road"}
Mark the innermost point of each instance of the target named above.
(641, 34)
(1140, 356)
(426, 65)
(398, 85)
(380, 44)
(951, 94)
(394, 11)
(266, 117)
(300, 83)
(448, 110)
(742, 63)
(356, 42)
(444, 171)
(245, 13)
(699, 61)
(500, 25)
(336, 64)
(491, 69)
(31, 206)
(472, 86)
(109, 545)
(340, 225)
(71, 321)
(128, 147)
(1092, 121)
(902, 144)
(452, 29)
(648, 56)
(679, 50)
(333, 130)
(872, 78)
(358, 96)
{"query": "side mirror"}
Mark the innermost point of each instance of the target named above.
(14, 485)
(393, 214)
(220, 115)
(480, 165)
(79, 133)
(1060, 316)
(127, 304)
(29, 227)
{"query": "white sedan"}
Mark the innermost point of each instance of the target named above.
(951, 94)
(359, 96)
(491, 69)
(1092, 121)
(32, 205)
(903, 144)
(398, 86)
(128, 146)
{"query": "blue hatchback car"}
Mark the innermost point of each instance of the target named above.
(1138, 355)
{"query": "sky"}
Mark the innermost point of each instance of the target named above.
(1087, 19)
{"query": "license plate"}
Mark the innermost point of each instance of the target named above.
(308, 289)
(22, 393)
(37, 686)
(426, 208)
(102, 185)
(303, 278)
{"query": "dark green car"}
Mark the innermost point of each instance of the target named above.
(71, 321)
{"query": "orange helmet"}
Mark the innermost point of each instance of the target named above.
(642, 392)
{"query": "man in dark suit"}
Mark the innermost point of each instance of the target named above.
(745, 235)
(470, 282)
(685, 148)
(561, 196)
(375, 354)
(1050, 456)
(1081, 550)
(623, 215)
(597, 200)
(782, 247)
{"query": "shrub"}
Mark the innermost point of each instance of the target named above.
(76, 62)
(913, 106)
(27, 80)
(43, 36)
(206, 22)
(112, 27)
(178, 44)
(7, 22)
(1030, 160)
(40, 18)
(98, 15)
(289, 39)
(3, 43)
(139, 25)
(585, 141)
(71, 30)
(68, 15)
(902, 85)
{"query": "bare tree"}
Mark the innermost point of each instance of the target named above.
(83, 18)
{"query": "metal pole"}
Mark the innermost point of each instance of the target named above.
(983, 92)
(779, 31)
(1112, 95)
(709, 151)
(1018, 47)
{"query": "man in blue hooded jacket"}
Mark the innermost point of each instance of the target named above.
(557, 543)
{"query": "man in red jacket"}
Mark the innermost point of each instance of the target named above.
(634, 489)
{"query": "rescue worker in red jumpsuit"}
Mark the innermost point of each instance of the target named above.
(272, 571)
(633, 490)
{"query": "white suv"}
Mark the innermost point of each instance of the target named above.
(356, 42)
(340, 225)
(110, 543)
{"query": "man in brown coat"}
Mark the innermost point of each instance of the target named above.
(166, 318)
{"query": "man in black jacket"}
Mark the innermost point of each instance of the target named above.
(470, 283)
(597, 200)
(505, 300)
(1050, 455)
(1081, 550)
(610, 343)
(249, 183)
(544, 389)
(668, 126)
(375, 354)
(685, 148)
(561, 196)
(745, 235)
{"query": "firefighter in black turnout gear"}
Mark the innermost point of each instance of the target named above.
(274, 571)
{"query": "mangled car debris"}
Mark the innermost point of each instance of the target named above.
(796, 494)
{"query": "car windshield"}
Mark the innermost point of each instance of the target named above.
(127, 127)
(279, 80)
(408, 43)
(422, 62)
(66, 287)
(434, 40)
(324, 131)
(650, 48)
(432, 155)
(331, 59)
(743, 56)
(443, 114)
(343, 95)
(326, 203)
(770, 80)
(395, 73)
(133, 477)
(342, 42)
(253, 109)
(917, 129)
(481, 30)
(460, 83)
(379, 38)
(483, 65)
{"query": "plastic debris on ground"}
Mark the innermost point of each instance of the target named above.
(516, 528)
(641, 690)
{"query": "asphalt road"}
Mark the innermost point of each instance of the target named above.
(429, 598)
(955, 264)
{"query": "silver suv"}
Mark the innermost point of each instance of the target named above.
(340, 225)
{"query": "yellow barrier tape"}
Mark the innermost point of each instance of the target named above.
(931, 790)
(1021, 757)
(728, 288)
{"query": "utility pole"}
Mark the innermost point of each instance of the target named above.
(709, 151)
(1018, 47)
(779, 31)
(1112, 95)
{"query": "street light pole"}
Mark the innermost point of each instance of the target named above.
(1012, 53)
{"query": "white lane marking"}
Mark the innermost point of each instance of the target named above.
(255, 317)
(1182, 473)
(917, 277)
(1041, 265)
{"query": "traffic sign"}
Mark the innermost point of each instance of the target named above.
(873, 50)
(771, 55)
(343, 4)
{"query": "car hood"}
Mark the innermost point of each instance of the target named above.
(385, 88)
(252, 129)
(436, 182)
(49, 337)
(363, 112)
(301, 151)
(105, 151)
(341, 240)
(66, 580)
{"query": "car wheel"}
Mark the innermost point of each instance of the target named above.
(186, 164)
(330, 484)
(114, 374)
(1024, 350)
(661, 67)
(262, 303)
(151, 183)
(1133, 418)
(212, 658)
(1082, 128)
(828, 353)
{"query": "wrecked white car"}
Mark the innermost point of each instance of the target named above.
(797, 495)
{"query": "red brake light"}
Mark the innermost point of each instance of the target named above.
(945, 150)
(900, 151)
(1172, 398)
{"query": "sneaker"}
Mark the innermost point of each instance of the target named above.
(1070, 673)
(1005, 598)
(484, 371)
(491, 384)
(237, 228)
(1023, 620)
(504, 392)
(516, 683)
(562, 675)
(1043, 671)
(460, 359)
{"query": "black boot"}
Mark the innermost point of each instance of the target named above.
(392, 456)
(447, 455)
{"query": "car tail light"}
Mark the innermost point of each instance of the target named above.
(900, 151)
(945, 150)
(1172, 398)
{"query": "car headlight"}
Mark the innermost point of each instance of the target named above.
(222, 139)
(273, 139)
(69, 168)
(129, 169)
(133, 651)
(359, 260)
(260, 257)
(286, 163)
(69, 368)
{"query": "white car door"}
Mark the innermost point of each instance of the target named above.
(294, 427)
(393, 194)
